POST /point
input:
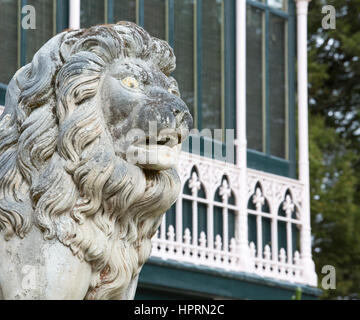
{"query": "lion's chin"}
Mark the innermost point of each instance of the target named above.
(154, 157)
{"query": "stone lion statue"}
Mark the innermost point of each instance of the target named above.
(76, 216)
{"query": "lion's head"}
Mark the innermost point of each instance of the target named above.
(64, 142)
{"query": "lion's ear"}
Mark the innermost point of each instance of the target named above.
(70, 37)
(35, 80)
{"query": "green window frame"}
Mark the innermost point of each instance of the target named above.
(228, 76)
(264, 160)
(60, 21)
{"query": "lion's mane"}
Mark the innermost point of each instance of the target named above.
(59, 170)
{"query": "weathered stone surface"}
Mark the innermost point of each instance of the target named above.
(77, 212)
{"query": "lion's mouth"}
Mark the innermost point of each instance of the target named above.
(159, 152)
(169, 141)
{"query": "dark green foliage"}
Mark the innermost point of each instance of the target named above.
(334, 66)
(334, 96)
(335, 208)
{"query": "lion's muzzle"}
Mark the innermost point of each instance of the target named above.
(167, 121)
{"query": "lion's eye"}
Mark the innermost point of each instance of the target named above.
(130, 82)
(174, 91)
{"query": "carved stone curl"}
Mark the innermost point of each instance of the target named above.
(76, 217)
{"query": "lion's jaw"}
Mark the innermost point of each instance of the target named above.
(154, 155)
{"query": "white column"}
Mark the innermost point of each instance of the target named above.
(225, 229)
(195, 220)
(259, 240)
(210, 225)
(241, 144)
(163, 235)
(305, 237)
(179, 226)
(289, 241)
(74, 14)
(274, 238)
(179, 218)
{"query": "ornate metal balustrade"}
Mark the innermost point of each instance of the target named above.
(204, 228)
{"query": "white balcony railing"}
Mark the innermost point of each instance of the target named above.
(274, 215)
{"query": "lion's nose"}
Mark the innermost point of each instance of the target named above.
(184, 119)
(182, 115)
(171, 108)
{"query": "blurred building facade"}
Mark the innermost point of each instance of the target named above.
(240, 228)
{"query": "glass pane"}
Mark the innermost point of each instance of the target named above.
(277, 4)
(202, 218)
(254, 78)
(212, 21)
(187, 214)
(218, 222)
(124, 10)
(282, 240)
(231, 223)
(295, 238)
(277, 87)
(184, 50)
(252, 234)
(92, 13)
(8, 43)
(266, 232)
(36, 38)
(154, 18)
(171, 217)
